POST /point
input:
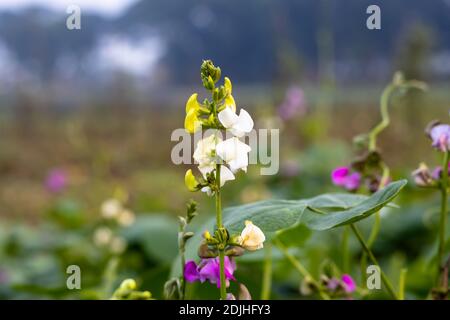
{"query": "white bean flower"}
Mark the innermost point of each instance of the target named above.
(204, 154)
(237, 125)
(252, 237)
(234, 153)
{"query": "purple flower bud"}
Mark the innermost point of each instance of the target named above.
(333, 284)
(209, 269)
(342, 177)
(56, 180)
(440, 136)
(437, 172)
(349, 283)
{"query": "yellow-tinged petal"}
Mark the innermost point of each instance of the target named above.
(192, 123)
(190, 181)
(252, 237)
(229, 102)
(192, 103)
(228, 85)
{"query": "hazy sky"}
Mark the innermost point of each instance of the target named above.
(106, 7)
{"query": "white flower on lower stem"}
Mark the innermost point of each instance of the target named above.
(252, 237)
(225, 175)
(234, 153)
(238, 125)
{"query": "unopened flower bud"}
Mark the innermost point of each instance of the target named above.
(244, 294)
(205, 252)
(234, 251)
(422, 176)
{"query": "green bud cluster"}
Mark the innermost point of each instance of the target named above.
(221, 240)
(210, 74)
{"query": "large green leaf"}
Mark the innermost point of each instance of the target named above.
(319, 213)
(324, 220)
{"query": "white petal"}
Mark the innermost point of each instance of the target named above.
(227, 149)
(227, 117)
(235, 153)
(225, 175)
(240, 162)
(203, 152)
(205, 169)
(245, 122)
(207, 190)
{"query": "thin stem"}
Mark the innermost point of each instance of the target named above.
(300, 268)
(443, 217)
(183, 280)
(345, 251)
(267, 273)
(218, 199)
(401, 284)
(384, 103)
(223, 288)
(377, 223)
(369, 253)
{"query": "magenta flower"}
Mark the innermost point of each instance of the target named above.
(343, 177)
(293, 104)
(56, 180)
(209, 269)
(440, 137)
(349, 283)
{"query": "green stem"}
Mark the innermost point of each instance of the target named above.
(401, 284)
(183, 279)
(267, 273)
(223, 288)
(300, 268)
(384, 103)
(443, 217)
(345, 251)
(376, 225)
(369, 253)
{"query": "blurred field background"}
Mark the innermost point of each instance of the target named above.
(98, 106)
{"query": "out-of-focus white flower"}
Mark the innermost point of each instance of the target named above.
(118, 245)
(111, 208)
(102, 236)
(252, 237)
(237, 125)
(126, 218)
(234, 153)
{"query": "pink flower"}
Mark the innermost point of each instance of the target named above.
(440, 136)
(56, 180)
(342, 177)
(209, 269)
(348, 283)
